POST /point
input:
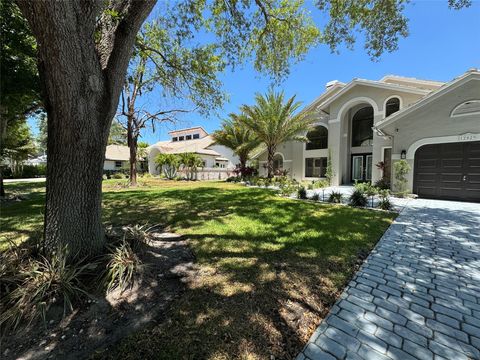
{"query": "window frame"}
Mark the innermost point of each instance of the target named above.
(322, 168)
(387, 114)
(118, 162)
(311, 145)
(357, 122)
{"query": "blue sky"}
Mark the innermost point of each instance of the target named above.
(442, 44)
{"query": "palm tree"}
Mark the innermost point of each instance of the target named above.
(274, 121)
(238, 137)
(190, 162)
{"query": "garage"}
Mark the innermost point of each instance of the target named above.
(449, 171)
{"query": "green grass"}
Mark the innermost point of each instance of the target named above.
(270, 267)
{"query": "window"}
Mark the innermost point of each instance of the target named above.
(317, 138)
(315, 167)
(181, 138)
(204, 163)
(392, 106)
(175, 139)
(188, 137)
(362, 122)
(471, 107)
(118, 164)
(196, 136)
(220, 165)
(277, 162)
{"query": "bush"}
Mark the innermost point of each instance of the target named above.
(233, 179)
(335, 197)
(384, 202)
(287, 190)
(41, 283)
(358, 198)
(117, 175)
(382, 184)
(245, 172)
(122, 266)
(26, 171)
(315, 197)
(301, 192)
(401, 169)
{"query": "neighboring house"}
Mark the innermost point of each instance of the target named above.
(193, 140)
(117, 157)
(434, 126)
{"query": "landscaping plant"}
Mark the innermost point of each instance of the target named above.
(401, 169)
(302, 192)
(122, 266)
(335, 197)
(385, 203)
(42, 282)
(358, 198)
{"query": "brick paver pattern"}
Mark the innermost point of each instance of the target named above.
(417, 296)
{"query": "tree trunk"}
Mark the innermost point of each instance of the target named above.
(132, 141)
(2, 187)
(271, 155)
(83, 57)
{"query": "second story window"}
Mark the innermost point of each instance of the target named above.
(196, 136)
(181, 138)
(175, 138)
(317, 138)
(188, 137)
(392, 106)
(362, 123)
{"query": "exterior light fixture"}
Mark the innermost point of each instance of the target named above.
(403, 154)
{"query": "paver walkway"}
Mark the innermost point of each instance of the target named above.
(417, 296)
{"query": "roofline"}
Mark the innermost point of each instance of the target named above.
(190, 128)
(412, 79)
(323, 95)
(452, 85)
(373, 83)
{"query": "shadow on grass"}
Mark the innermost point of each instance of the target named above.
(267, 269)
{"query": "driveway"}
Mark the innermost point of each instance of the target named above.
(417, 296)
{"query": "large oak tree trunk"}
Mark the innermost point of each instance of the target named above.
(83, 57)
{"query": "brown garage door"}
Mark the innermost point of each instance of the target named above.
(448, 171)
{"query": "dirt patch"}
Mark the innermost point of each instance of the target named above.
(103, 321)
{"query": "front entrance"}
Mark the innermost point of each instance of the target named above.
(361, 167)
(448, 171)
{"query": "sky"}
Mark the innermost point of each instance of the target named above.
(442, 44)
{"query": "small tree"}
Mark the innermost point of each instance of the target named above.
(401, 169)
(238, 137)
(168, 163)
(190, 162)
(274, 121)
(329, 174)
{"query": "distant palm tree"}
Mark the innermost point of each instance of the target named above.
(274, 122)
(237, 137)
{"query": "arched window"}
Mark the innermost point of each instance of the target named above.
(362, 123)
(392, 106)
(277, 162)
(317, 138)
(471, 107)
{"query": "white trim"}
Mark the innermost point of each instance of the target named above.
(333, 121)
(355, 101)
(385, 104)
(467, 114)
(440, 140)
(376, 84)
(383, 152)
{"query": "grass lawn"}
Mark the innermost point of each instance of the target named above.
(270, 267)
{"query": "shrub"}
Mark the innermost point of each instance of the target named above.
(287, 190)
(358, 198)
(315, 197)
(122, 266)
(138, 235)
(335, 197)
(385, 203)
(117, 175)
(382, 184)
(401, 169)
(302, 192)
(43, 282)
(329, 173)
(233, 179)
